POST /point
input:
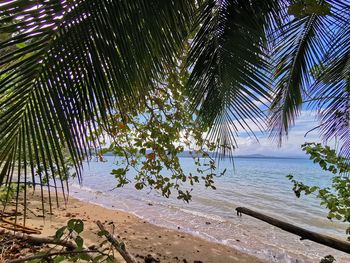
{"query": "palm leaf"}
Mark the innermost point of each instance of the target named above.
(332, 87)
(229, 66)
(304, 44)
(65, 65)
(301, 45)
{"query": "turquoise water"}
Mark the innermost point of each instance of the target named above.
(256, 183)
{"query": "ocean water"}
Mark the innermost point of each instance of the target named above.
(256, 183)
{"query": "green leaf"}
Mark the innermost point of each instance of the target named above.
(290, 177)
(79, 226)
(21, 45)
(71, 224)
(111, 259)
(118, 172)
(79, 241)
(98, 259)
(59, 233)
(139, 186)
(85, 257)
(58, 259)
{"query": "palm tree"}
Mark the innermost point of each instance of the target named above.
(246, 51)
(65, 64)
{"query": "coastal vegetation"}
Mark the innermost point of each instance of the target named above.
(335, 198)
(66, 65)
(147, 80)
(150, 139)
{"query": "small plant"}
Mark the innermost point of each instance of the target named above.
(72, 233)
(7, 193)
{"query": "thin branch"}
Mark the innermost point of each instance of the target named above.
(119, 246)
(40, 240)
(48, 255)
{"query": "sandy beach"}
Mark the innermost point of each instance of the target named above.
(141, 238)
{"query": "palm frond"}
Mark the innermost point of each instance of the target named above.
(65, 65)
(229, 66)
(332, 86)
(302, 44)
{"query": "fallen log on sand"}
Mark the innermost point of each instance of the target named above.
(118, 245)
(10, 225)
(303, 233)
(37, 240)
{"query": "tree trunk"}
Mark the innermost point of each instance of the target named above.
(119, 246)
(303, 233)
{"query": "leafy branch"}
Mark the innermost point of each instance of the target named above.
(74, 252)
(150, 140)
(337, 197)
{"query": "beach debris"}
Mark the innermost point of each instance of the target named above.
(12, 247)
(118, 245)
(13, 225)
(67, 237)
(328, 259)
(92, 247)
(15, 245)
(150, 259)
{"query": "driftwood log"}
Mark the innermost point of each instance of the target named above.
(49, 255)
(17, 227)
(39, 240)
(303, 233)
(119, 246)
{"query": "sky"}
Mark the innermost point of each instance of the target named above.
(291, 146)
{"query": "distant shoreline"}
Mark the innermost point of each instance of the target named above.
(186, 154)
(268, 157)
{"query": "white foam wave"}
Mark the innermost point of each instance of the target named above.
(86, 189)
(203, 215)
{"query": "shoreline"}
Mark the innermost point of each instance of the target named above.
(243, 234)
(141, 237)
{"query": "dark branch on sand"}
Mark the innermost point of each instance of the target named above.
(40, 240)
(119, 246)
(49, 255)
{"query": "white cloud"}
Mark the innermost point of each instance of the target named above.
(291, 145)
